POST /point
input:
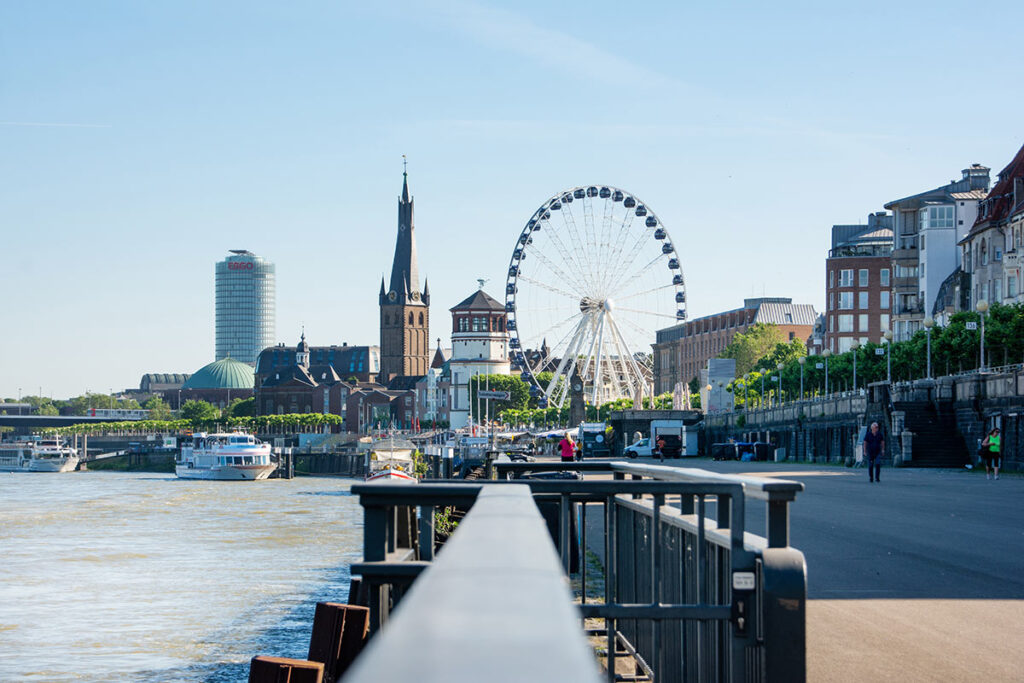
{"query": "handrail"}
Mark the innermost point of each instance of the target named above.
(493, 606)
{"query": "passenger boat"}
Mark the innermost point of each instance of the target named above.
(44, 455)
(391, 461)
(232, 457)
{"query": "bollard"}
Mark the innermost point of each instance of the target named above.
(339, 632)
(263, 669)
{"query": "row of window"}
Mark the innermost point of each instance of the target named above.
(478, 323)
(863, 277)
(398, 319)
(844, 323)
(982, 289)
(863, 300)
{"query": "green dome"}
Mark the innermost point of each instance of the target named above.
(227, 373)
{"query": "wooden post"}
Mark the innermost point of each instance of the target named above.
(263, 669)
(339, 632)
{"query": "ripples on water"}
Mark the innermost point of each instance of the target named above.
(145, 577)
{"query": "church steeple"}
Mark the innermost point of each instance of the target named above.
(404, 308)
(405, 278)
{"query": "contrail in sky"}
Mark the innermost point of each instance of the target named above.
(33, 124)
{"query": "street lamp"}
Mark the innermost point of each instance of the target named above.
(779, 366)
(761, 404)
(746, 394)
(888, 356)
(855, 346)
(801, 360)
(825, 354)
(707, 408)
(928, 324)
(982, 307)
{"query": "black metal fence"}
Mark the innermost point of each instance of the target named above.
(689, 594)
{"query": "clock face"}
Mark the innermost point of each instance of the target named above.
(401, 227)
(577, 387)
(415, 296)
(392, 296)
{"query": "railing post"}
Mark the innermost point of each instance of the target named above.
(778, 523)
(784, 586)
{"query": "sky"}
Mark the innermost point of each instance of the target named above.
(140, 141)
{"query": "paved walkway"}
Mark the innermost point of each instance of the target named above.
(917, 578)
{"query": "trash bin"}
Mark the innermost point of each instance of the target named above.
(762, 451)
(723, 451)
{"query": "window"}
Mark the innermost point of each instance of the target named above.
(463, 324)
(846, 323)
(997, 290)
(883, 322)
(846, 278)
(862, 322)
(846, 300)
(844, 344)
(984, 252)
(885, 303)
(831, 278)
(862, 299)
(410, 319)
(831, 301)
(922, 242)
(1011, 286)
(883, 276)
(862, 277)
(940, 217)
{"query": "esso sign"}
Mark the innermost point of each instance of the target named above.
(239, 265)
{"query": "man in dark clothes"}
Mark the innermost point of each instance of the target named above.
(874, 449)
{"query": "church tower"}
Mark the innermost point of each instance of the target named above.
(404, 310)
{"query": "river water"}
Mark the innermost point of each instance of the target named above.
(145, 577)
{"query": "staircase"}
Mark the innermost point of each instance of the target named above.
(937, 443)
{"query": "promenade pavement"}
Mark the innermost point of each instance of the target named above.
(917, 578)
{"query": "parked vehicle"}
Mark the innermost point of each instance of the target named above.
(641, 448)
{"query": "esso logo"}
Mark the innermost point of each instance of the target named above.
(239, 265)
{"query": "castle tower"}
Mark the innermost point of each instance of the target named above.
(404, 310)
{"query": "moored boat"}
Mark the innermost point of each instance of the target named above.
(391, 460)
(234, 456)
(43, 455)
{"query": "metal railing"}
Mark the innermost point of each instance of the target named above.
(689, 594)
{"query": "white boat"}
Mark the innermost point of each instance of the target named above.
(233, 457)
(391, 461)
(44, 455)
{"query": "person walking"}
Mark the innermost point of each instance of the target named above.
(567, 447)
(874, 449)
(990, 451)
(660, 444)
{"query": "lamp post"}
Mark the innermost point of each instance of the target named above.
(779, 366)
(761, 405)
(707, 408)
(801, 360)
(888, 356)
(746, 394)
(826, 353)
(855, 347)
(982, 307)
(928, 324)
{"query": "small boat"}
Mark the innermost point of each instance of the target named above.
(391, 460)
(234, 456)
(44, 455)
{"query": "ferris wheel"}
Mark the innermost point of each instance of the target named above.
(593, 274)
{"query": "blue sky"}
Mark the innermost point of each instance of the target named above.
(141, 141)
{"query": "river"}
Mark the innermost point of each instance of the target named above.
(145, 577)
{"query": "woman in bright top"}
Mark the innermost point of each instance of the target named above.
(567, 447)
(991, 453)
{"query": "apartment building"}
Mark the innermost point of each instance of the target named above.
(683, 350)
(927, 227)
(858, 275)
(991, 250)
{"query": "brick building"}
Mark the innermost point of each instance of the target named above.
(683, 350)
(858, 283)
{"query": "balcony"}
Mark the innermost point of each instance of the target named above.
(909, 283)
(905, 254)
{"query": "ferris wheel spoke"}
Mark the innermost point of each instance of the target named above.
(624, 285)
(641, 378)
(616, 365)
(550, 288)
(652, 290)
(565, 276)
(625, 230)
(584, 258)
(597, 360)
(571, 258)
(651, 313)
(569, 356)
(626, 264)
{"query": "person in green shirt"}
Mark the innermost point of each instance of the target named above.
(991, 453)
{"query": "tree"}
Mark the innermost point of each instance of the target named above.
(158, 409)
(42, 405)
(241, 407)
(519, 393)
(198, 411)
(750, 347)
